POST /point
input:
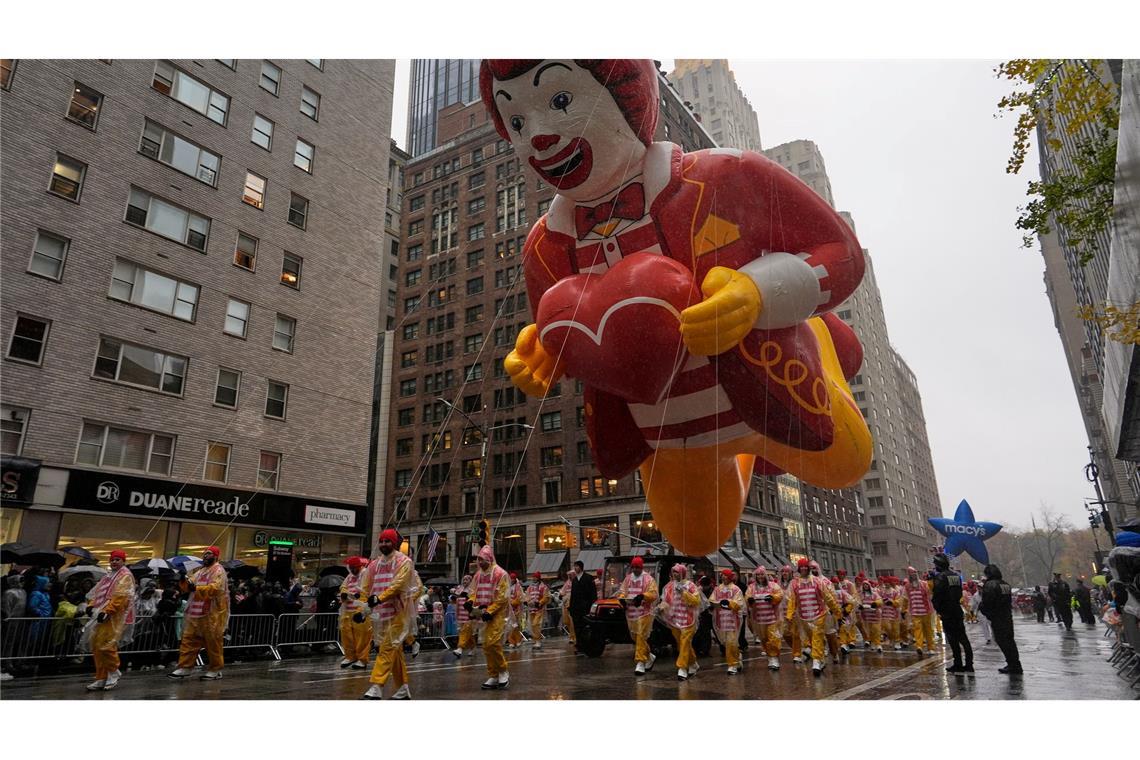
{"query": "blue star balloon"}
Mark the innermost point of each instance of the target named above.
(965, 534)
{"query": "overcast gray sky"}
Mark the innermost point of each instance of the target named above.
(915, 154)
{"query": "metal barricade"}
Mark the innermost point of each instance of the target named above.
(431, 630)
(29, 638)
(253, 632)
(308, 628)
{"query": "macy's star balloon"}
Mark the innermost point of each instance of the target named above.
(965, 534)
(691, 293)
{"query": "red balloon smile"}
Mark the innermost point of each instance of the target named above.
(567, 168)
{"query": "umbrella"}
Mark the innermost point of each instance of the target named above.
(80, 570)
(77, 551)
(85, 562)
(27, 554)
(180, 562)
(240, 571)
(333, 570)
(153, 565)
(330, 581)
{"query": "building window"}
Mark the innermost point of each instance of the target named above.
(310, 103)
(476, 205)
(320, 64)
(143, 287)
(276, 397)
(268, 470)
(291, 270)
(169, 221)
(298, 210)
(407, 359)
(13, 425)
(283, 331)
(190, 92)
(413, 277)
(416, 204)
(226, 388)
(303, 157)
(471, 343)
(140, 450)
(7, 68)
(217, 462)
(138, 365)
(403, 447)
(67, 177)
(475, 285)
(552, 490)
(476, 180)
(237, 318)
(254, 193)
(270, 77)
(406, 417)
(179, 153)
(472, 468)
(229, 63)
(408, 387)
(262, 134)
(552, 456)
(473, 314)
(403, 478)
(600, 532)
(475, 231)
(551, 421)
(84, 106)
(29, 337)
(245, 254)
(48, 255)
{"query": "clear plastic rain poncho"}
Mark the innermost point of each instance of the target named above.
(115, 595)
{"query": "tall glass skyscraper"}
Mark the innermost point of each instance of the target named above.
(435, 84)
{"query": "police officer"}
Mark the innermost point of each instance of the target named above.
(997, 605)
(1062, 597)
(947, 598)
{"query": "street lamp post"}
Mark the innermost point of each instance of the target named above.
(1092, 474)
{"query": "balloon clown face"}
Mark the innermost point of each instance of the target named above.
(689, 293)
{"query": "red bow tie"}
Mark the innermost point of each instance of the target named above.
(629, 204)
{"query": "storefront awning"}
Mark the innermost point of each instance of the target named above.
(547, 563)
(753, 557)
(642, 550)
(719, 561)
(736, 556)
(594, 559)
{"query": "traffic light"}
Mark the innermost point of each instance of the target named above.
(1094, 520)
(482, 531)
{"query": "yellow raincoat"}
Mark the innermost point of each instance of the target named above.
(114, 596)
(206, 617)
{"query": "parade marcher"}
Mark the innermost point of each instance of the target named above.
(852, 622)
(637, 594)
(583, 594)
(1062, 597)
(460, 596)
(848, 603)
(969, 605)
(678, 608)
(515, 617)
(1039, 604)
(728, 614)
(920, 608)
(764, 598)
(789, 632)
(355, 638)
(492, 600)
(871, 614)
(393, 586)
(809, 601)
(111, 605)
(537, 596)
(947, 599)
(207, 614)
(1084, 602)
(892, 601)
(997, 605)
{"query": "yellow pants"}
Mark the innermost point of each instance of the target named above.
(731, 641)
(193, 641)
(686, 657)
(466, 636)
(390, 663)
(515, 637)
(493, 645)
(937, 624)
(639, 630)
(768, 635)
(891, 629)
(815, 630)
(536, 621)
(355, 638)
(873, 633)
(847, 633)
(105, 650)
(923, 628)
(862, 628)
(568, 622)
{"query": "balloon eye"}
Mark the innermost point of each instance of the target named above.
(561, 100)
(517, 123)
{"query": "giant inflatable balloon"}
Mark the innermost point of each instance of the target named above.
(690, 292)
(965, 534)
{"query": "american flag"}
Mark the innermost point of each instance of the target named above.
(433, 542)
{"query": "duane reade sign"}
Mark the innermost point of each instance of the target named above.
(329, 516)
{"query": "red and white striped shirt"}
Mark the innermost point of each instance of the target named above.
(809, 594)
(383, 572)
(763, 613)
(890, 611)
(726, 619)
(918, 598)
(870, 614)
(632, 586)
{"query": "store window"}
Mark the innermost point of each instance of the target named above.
(194, 538)
(140, 539)
(510, 548)
(599, 532)
(555, 536)
(645, 529)
(747, 537)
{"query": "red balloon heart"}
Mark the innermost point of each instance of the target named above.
(620, 332)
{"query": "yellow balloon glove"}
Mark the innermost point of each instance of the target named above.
(715, 325)
(530, 367)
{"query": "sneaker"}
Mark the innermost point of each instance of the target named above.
(733, 670)
(806, 651)
(470, 652)
(835, 660)
(1007, 670)
(878, 650)
(898, 647)
(773, 663)
(180, 673)
(97, 685)
(457, 652)
(693, 670)
(402, 693)
(345, 662)
(211, 675)
(652, 659)
(6, 676)
(918, 652)
(798, 659)
(682, 674)
(374, 692)
(415, 654)
(359, 665)
(639, 669)
(113, 680)
(844, 648)
(816, 668)
(537, 645)
(504, 679)
(491, 683)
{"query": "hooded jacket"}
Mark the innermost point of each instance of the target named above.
(997, 597)
(39, 603)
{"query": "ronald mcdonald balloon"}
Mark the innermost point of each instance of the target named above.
(690, 292)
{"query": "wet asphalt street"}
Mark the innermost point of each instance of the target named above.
(1058, 665)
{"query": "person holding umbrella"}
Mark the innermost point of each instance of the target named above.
(207, 614)
(111, 603)
(392, 585)
(355, 637)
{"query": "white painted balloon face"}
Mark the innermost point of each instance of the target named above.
(569, 130)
